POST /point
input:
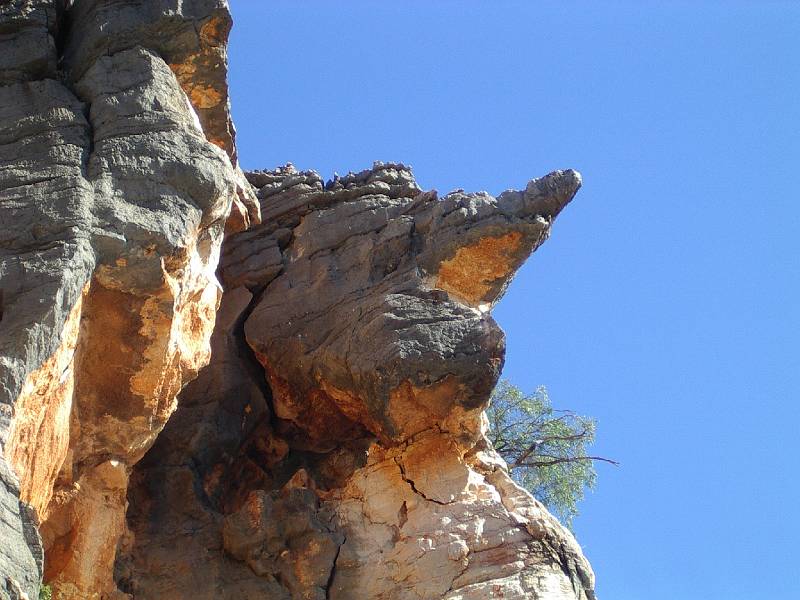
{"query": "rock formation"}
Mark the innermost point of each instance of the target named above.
(315, 431)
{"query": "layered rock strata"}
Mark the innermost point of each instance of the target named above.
(113, 204)
(361, 470)
(333, 446)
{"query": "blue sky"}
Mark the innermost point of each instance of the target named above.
(666, 303)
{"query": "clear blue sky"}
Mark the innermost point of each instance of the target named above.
(666, 303)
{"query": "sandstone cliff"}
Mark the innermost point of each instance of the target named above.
(315, 431)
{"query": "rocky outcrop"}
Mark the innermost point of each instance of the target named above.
(361, 470)
(315, 431)
(114, 203)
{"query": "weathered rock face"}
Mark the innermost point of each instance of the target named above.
(362, 470)
(333, 446)
(113, 208)
(378, 319)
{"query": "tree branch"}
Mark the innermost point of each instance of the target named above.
(563, 438)
(556, 460)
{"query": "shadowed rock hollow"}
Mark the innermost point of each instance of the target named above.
(316, 429)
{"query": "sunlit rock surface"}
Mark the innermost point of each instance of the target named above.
(113, 205)
(334, 446)
(315, 431)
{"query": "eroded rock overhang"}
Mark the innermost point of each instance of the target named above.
(333, 447)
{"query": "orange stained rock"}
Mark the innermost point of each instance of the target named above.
(474, 269)
(135, 354)
(39, 438)
(214, 31)
(435, 464)
(80, 562)
(413, 409)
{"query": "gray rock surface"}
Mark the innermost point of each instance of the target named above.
(45, 254)
(191, 37)
(28, 29)
(21, 554)
(112, 209)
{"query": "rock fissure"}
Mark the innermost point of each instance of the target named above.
(414, 487)
(331, 577)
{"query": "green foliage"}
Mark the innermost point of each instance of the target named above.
(45, 592)
(545, 448)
